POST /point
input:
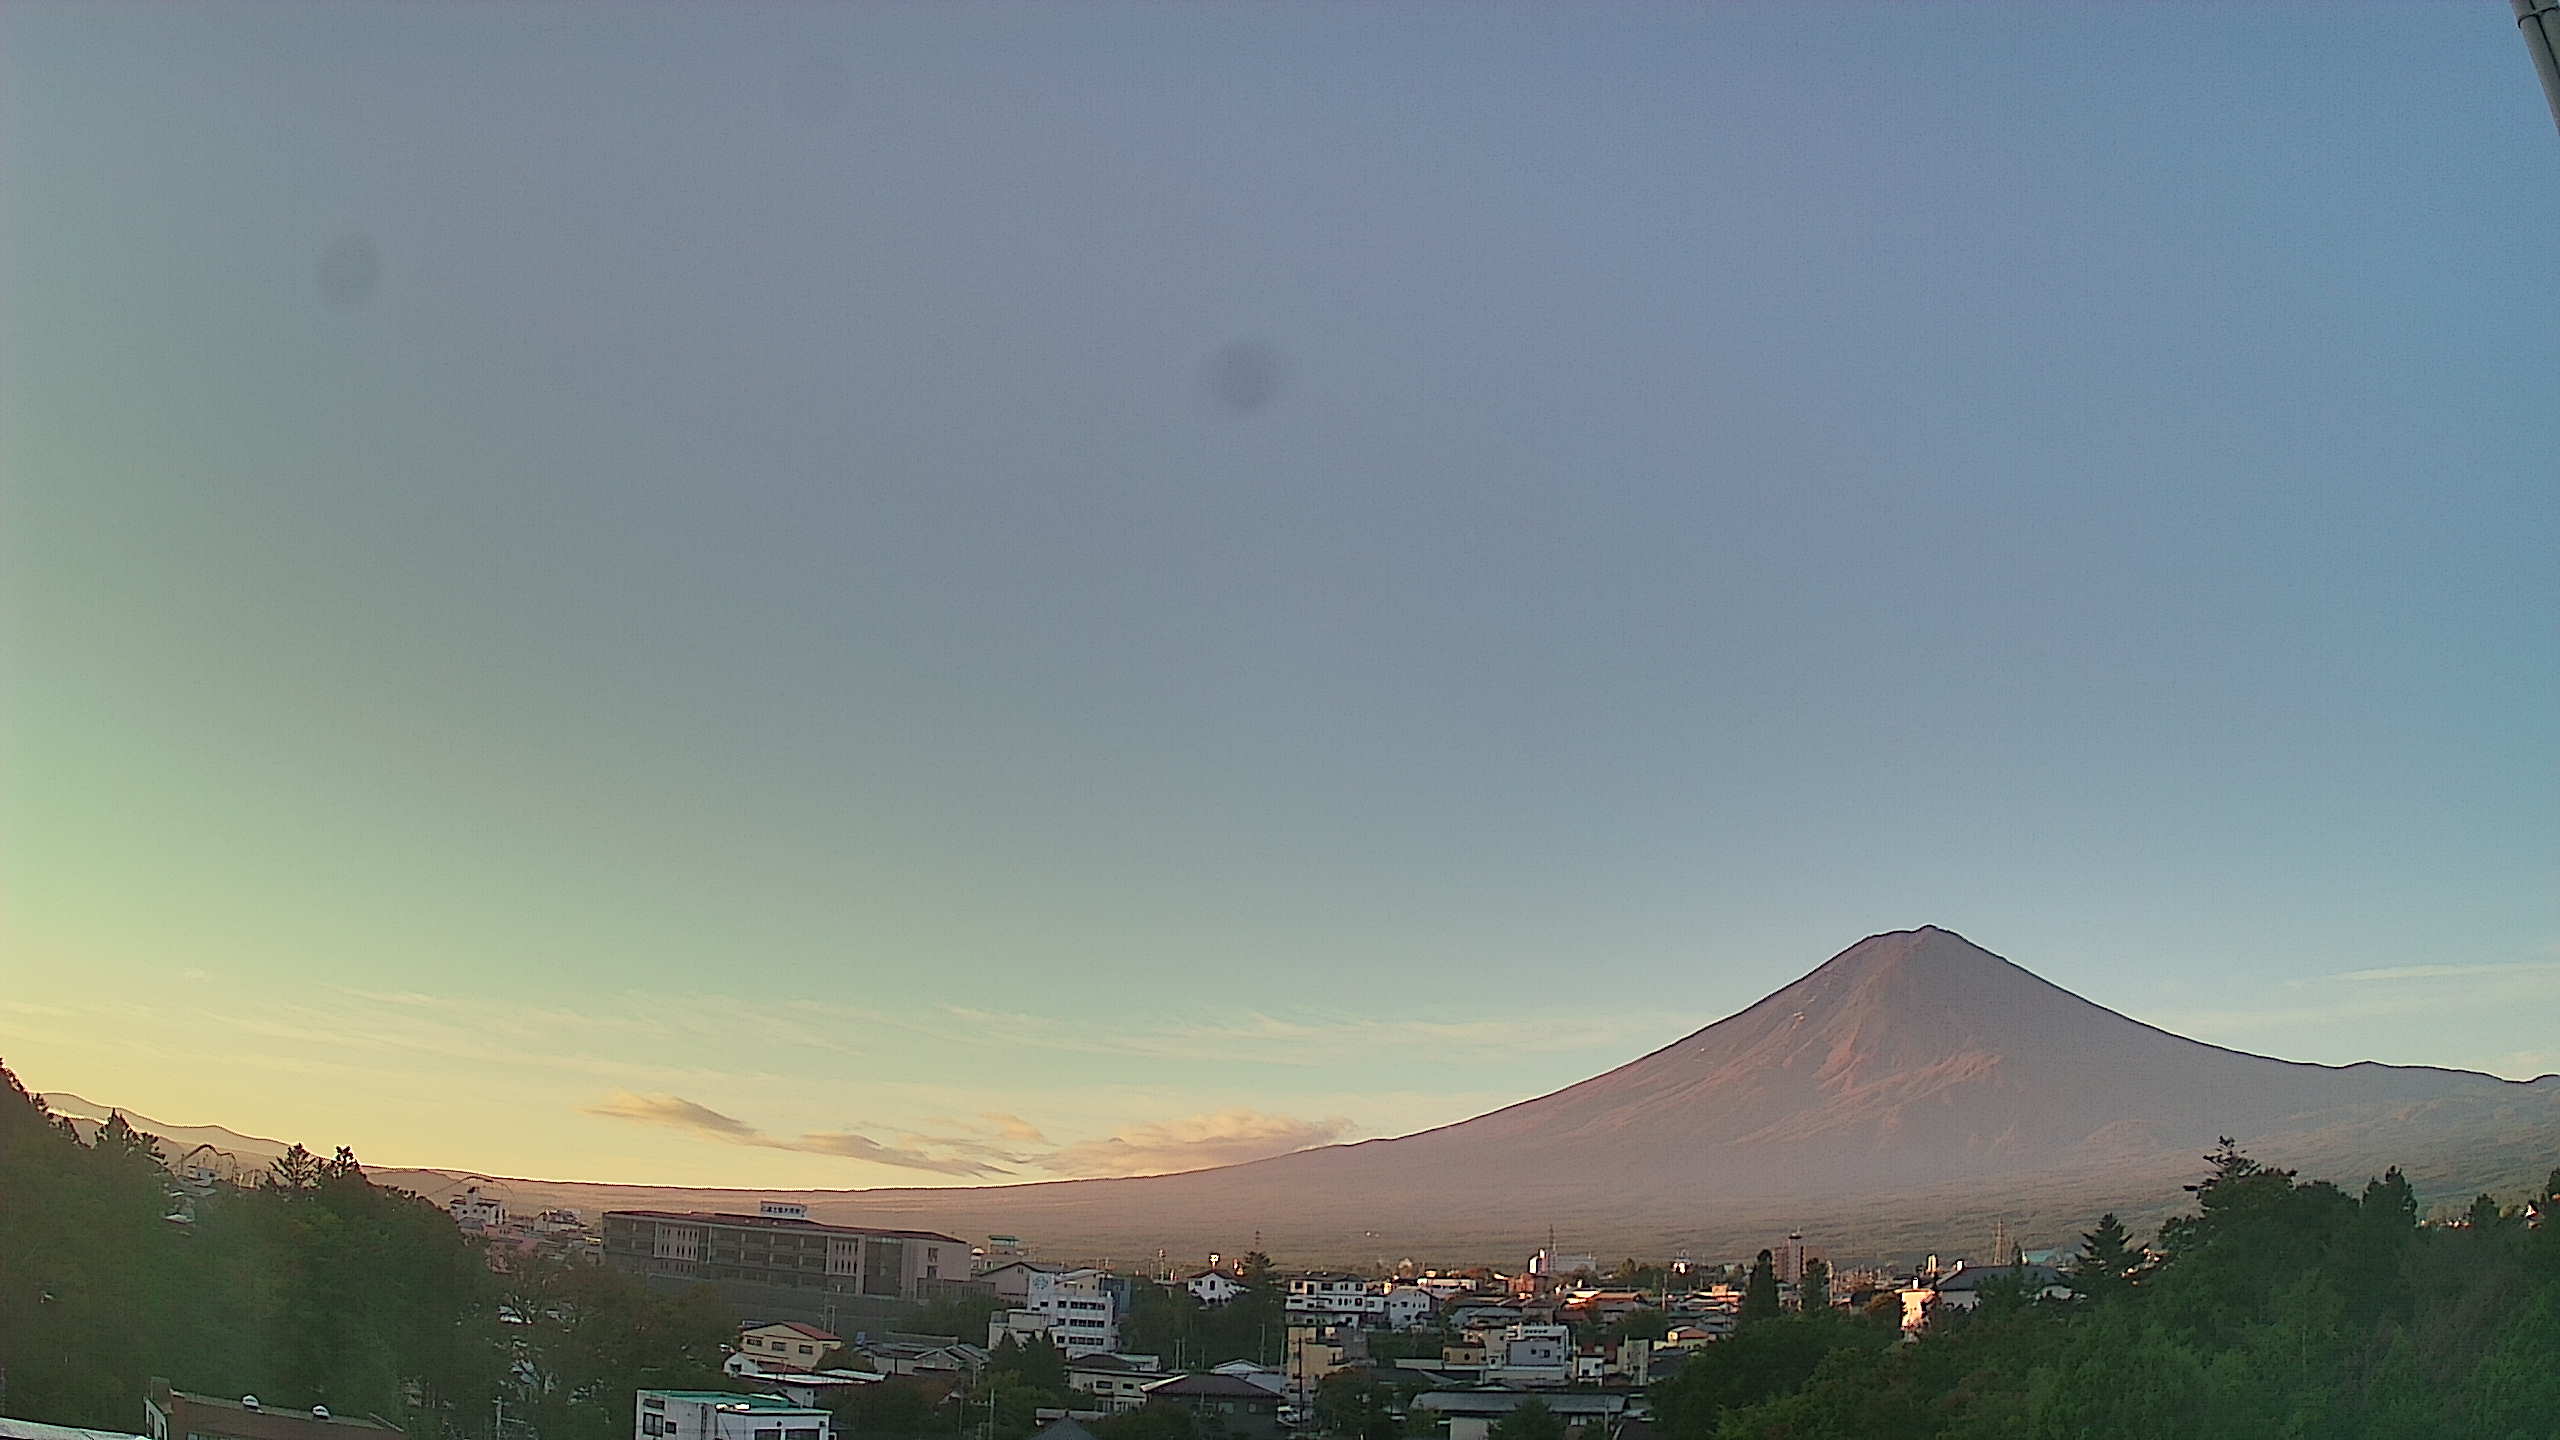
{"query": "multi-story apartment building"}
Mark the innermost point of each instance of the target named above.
(1081, 1306)
(783, 1251)
(1338, 1298)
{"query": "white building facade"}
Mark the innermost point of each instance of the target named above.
(719, 1415)
(1340, 1299)
(476, 1212)
(1213, 1287)
(1083, 1315)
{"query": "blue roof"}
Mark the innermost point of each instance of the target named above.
(730, 1397)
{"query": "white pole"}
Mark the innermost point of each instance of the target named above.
(2539, 22)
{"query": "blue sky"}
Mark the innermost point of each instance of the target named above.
(1214, 578)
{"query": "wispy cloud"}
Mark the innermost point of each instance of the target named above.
(1014, 1128)
(2513, 970)
(1007, 1144)
(1196, 1142)
(674, 1112)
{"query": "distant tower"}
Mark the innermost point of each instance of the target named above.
(2000, 1241)
(1789, 1260)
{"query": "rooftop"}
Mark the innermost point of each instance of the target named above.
(38, 1430)
(1972, 1277)
(780, 1222)
(1503, 1402)
(1212, 1387)
(811, 1332)
(269, 1422)
(736, 1400)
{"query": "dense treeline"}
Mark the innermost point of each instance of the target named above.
(317, 1288)
(2279, 1308)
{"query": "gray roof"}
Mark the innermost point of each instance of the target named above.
(1971, 1277)
(38, 1430)
(1064, 1430)
(1213, 1386)
(1503, 1402)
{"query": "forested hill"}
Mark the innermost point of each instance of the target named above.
(2279, 1308)
(319, 1288)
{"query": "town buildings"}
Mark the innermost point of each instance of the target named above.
(783, 1253)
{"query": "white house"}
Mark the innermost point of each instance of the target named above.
(1083, 1313)
(1334, 1297)
(1407, 1306)
(1116, 1382)
(1530, 1355)
(476, 1212)
(1213, 1287)
(719, 1415)
(784, 1345)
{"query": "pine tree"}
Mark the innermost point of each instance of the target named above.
(1815, 1290)
(2107, 1258)
(296, 1169)
(118, 1138)
(1760, 1293)
(2389, 1202)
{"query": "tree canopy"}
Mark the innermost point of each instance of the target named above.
(2278, 1306)
(318, 1287)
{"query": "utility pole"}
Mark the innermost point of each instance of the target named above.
(2539, 22)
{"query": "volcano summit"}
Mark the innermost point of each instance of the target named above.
(1898, 1097)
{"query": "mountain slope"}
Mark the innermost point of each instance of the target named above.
(247, 1153)
(1924, 1055)
(1894, 1100)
